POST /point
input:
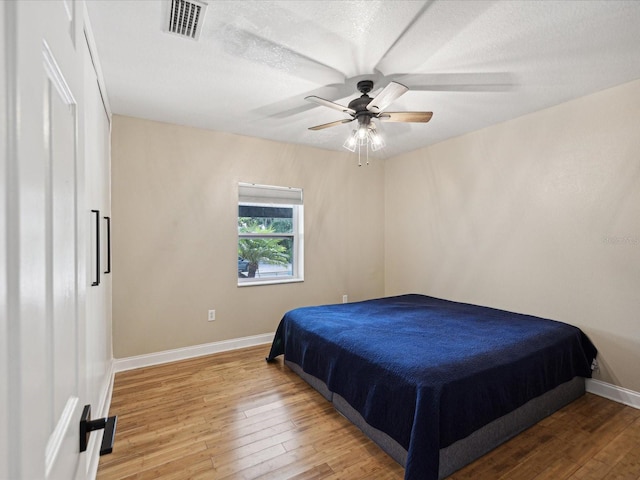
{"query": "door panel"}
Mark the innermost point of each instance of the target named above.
(62, 319)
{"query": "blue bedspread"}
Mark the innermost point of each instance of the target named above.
(427, 371)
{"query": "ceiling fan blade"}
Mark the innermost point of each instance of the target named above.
(327, 103)
(294, 104)
(408, 27)
(387, 96)
(332, 124)
(435, 27)
(250, 46)
(458, 82)
(422, 117)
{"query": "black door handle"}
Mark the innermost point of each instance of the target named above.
(108, 219)
(87, 426)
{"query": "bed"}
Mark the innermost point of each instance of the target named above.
(435, 383)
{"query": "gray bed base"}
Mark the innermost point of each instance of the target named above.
(468, 449)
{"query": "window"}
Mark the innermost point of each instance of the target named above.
(270, 239)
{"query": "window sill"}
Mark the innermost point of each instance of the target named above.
(255, 283)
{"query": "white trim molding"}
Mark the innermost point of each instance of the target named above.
(93, 50)
(613, 392)
(58, 435)
(157, 358)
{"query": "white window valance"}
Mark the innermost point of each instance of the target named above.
(253, 193)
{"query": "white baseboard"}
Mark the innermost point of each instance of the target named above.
(157, 358)
(613, 392)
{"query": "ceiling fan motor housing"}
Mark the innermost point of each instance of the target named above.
(360, 104)
(362, 115)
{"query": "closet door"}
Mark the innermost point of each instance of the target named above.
(97, 195)
(4, 257)
(46, 234)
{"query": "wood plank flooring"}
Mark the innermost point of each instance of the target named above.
(233, 416)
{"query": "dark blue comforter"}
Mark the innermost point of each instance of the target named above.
(428, 371)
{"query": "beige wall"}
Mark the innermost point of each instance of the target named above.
(175, 233)
(539, 215)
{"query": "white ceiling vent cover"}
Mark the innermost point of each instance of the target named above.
(186, 17)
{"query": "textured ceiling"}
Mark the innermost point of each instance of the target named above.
(473, 63)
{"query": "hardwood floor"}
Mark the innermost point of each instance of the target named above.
(233, 416)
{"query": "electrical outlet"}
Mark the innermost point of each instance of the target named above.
(212, 315)
(345, 298)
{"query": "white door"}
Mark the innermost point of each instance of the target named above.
(46, 230)
(4, 267)
(98, 299)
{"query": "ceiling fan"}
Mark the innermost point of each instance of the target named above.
(364, 109)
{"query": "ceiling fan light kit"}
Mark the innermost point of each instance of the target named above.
(364, 109)
(363, 138)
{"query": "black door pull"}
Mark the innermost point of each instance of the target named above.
(108, 219)
(87, 426)
(96, 282)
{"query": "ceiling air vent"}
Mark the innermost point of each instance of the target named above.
(185, 18)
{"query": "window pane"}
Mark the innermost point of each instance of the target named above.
(265, 257)
(262, 211)
(261, 219)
